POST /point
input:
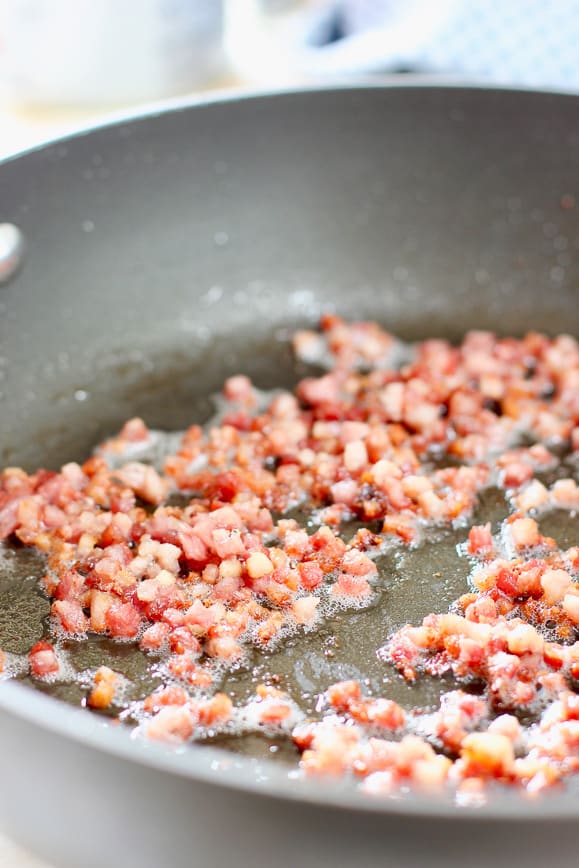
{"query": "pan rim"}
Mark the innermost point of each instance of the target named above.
(409, 82)
(212, 765)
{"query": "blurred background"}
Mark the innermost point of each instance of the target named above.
(65, 63)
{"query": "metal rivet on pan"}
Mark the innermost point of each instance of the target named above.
(11, 250)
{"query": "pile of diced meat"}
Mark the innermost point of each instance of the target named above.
(401, 440)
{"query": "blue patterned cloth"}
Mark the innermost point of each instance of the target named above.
(531, 43)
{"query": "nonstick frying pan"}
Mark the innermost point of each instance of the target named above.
(166, 251)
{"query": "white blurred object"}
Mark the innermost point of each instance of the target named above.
(108, 52)
(264, 39)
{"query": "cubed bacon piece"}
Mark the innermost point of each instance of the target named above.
(224, 648)
(155, 636)
(43, 660)
(269, 628)
(403, 526)
(123, 620)
(258, 564)
(524, 532)
(305, 610)
(8, 519)
(516, 473)
(570, 606)
(572, 556)
(272, 707)
(227, 543)
(322, 390)
(105, 685)
(182, 639)
(554, 655)
(216, 711)
(350, 585)
(392, 399)
(240, 389)
(342, 694)
(227, 587)
(524, 639)
(432, 773)
(148, 590)
(382, 783)
(565, 494)
(331, 750)
(396, 492)
(488, 754)
(114, 557)
(308, 345)
(480, 541)
(167, 556)
(296, 541)
(311, 575)
(185, 666)
(70, 585)
(534, 496)
(507, 582)
(303, 734)
(134, 431)
(529, 578)
(355, 456)
(384, 714)
(482, 609)
(200, 618)
(432, 506)
(172, 724)
(555, 584)
(144, 481)
(507, 725)
(174, 617)
(358, 564)
(165, 696)
(71, 616)
(345, 491)
(230, 568)
(404, 653)
(100, 603)
(192, 545)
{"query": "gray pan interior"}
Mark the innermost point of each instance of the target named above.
(168, 251)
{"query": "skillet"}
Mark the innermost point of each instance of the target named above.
(164, 253)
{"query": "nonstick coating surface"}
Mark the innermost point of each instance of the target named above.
(166, 252)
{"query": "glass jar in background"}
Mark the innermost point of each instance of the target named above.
(107, 53)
